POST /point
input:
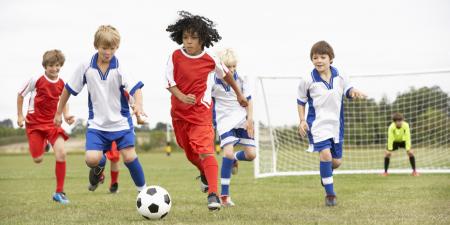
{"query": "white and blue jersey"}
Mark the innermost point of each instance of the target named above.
(107, 94)
(325, 116)
(108, 101)
(228, 115)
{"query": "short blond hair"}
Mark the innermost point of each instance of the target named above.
(228, 57)
(52, 57)
(107, 36)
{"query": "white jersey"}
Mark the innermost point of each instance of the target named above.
(228, 114)
(325, 105)
(108, 94)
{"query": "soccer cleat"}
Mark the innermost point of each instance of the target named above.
(47, 147)
(203, 183)
(415, 174)
(61, 198)
(226, 201)
(330, 200)
(213, 202)
(235, 168)
(385, 174)
(96, 177)
(114, 188)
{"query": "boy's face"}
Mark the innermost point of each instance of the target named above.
(52, 70)
(105, 53)
(398, 123)
(321, 62)
(231, 67)
(192, 43)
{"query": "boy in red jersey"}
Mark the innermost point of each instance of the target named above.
(190, 77)
(45, 91)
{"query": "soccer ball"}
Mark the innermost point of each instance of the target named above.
(154, 202)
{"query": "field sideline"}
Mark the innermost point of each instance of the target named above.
(26, 188)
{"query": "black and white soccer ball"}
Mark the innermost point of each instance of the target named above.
(154, 202)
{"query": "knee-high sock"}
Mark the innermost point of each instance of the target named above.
(210, 168)
(227, 165)
(194, 158)
(386, 164)
(412, 160)
(60, 172)
(102, 162)
(114, 176)
(240, 155)
(136, 173)
(326, 173)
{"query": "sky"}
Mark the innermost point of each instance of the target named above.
(271, 38)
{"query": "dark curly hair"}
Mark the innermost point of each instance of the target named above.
(203, 26)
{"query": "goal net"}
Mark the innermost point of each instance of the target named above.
(423, 99)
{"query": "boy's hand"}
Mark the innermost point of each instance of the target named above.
(140, 114)
(250, 128)
(354, 93)
(303, 128)
(69, 119)
(242, 100)
(188, 99)
(20, 120)
(57, 120)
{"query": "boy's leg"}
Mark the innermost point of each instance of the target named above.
(60, 166)
(181, 131)
(412, 160)
(387, 159)
(227, 165)
(326, 174)
(114, 156)
(114, 186)
(201, 140)
(131, 160)
(36, 143)
(57, 137)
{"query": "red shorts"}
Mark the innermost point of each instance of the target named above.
(113, 155)
(38, 137)
(194, 138)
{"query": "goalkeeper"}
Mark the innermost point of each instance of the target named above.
(399, 136)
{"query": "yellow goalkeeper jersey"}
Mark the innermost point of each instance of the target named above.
(402, 134)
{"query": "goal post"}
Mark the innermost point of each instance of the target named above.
(422, 97)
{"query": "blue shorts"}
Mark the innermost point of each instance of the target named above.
(335, 148)
(236, 136)
(102, 140)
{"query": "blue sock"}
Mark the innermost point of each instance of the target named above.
(102, 162)
(136, 173)
(326, 173)
(227, 165)
(240, 155)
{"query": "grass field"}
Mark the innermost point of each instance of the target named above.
(26, 188)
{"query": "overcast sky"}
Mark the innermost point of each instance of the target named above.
(271, 38)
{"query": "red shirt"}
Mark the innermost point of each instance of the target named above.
(193, 75)
(44, 99)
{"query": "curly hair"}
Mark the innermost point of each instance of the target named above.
(203, 26)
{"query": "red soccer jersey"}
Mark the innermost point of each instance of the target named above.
(44, 99)
(193, 75)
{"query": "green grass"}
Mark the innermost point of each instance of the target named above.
(26, 189)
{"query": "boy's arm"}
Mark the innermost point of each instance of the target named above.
(303, 127)
(250, 125)
(188, 99)
(61, 105)
(407, 137)
(240, 97)
(390, 138)
(138, 108)
(20, 118)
